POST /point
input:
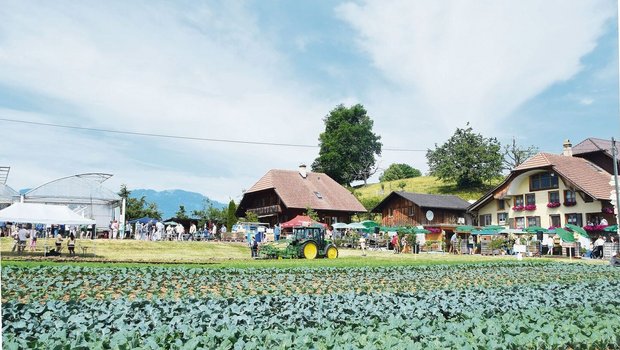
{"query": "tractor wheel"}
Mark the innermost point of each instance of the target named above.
(332, 252)
(310, 250)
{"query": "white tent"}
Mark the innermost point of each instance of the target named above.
(37, 213)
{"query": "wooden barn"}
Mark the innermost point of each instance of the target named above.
(433, 211)
(280, 195)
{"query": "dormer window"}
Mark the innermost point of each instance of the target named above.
(318, 195)
(543, 181)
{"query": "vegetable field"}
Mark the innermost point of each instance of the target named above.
(503, 305)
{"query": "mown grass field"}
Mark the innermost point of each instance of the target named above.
(217, 254)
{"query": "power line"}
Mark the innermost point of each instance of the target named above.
(180, 137)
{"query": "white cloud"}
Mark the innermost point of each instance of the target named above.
(456, 61)
(209, 71)
(201, 71)
(586, 101)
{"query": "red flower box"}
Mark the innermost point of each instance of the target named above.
(594, 227)
(608, 210)
(569, 204)
(530, 207)
(553, 204)
(518, 208)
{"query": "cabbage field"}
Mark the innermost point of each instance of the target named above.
(499, 305)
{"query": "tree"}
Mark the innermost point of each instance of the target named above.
(398, 171)
(348, 146)
(312, 214)
(181, 213)
(231, 218)
(467, 158)
(515, 155)
(209, 213)
(138, 208)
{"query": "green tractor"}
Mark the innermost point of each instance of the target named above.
(307, 242)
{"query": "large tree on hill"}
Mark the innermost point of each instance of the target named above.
(348, 146)
(466, 158)
(514, 154)
(399, 171)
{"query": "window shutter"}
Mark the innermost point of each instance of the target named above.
(538, 221)
(511, 223)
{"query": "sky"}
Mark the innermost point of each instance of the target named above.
(269, 71)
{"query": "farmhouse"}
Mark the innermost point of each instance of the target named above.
(435, 212)
(551, 190)
(280, 195)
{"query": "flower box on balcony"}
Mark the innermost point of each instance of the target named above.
(530, 207)
(518, 208)
(569, 204)
(591, 228)
(553, 204)
(608, 210)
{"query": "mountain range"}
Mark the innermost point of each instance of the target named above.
(168, 201)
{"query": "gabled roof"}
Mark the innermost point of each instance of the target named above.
(579, 172)
(440, 201)
(592, 144)
(317, 190)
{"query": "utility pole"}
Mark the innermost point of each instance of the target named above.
(615, 158)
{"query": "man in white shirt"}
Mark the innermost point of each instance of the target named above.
(22, 237)
(597, 253)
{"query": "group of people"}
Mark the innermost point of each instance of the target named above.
(22, 233)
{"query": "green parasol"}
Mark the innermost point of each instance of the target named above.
(611, 228)
(369, 223)
(535, 229)
(565, 235)
(464, 229)
(578, 229)
(419, 230)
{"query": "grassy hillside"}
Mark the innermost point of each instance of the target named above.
(422, 184)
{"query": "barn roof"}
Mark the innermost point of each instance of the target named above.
(317, 191)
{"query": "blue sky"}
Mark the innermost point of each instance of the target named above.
(270, 71)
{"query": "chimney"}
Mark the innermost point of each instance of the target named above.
(302, 171)
(568, 148)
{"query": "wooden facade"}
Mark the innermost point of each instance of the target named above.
(270, 208)
(410, 209)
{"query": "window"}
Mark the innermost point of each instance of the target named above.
(530, 199)
(574, 219)
(554, 196)
(500, 204)
(570, 198)
(318, 195)
(411, 211)
(518, 201)
(543, 181)
(555, 220)
(533, 221)
(520, 222)
(485, 220)
(502, 218)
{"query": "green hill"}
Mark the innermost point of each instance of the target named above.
(372, 194)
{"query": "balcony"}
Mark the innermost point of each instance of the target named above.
(266, 211)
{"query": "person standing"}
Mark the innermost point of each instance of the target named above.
(71, 245)
(550, 245)
(362, 242)
(114, 229)
(597, 253)
(22, 236)
(254, 248)
(395, 243)
(33, 241)
(276, 232)
(180, 232)
(58, 243)
(214, 231)
(403, 244)
(192, 230)
(453, 241)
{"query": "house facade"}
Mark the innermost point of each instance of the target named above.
(280, 195)
(549, 190)
(437, 213)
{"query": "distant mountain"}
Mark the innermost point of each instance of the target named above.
(168, 201)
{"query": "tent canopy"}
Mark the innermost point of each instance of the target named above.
(36, 213)
(144, 220)
(300, 220)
